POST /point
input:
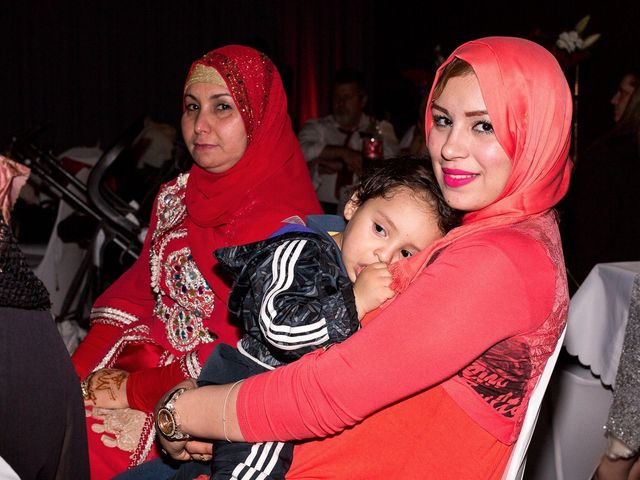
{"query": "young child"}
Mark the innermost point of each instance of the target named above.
(307, 287)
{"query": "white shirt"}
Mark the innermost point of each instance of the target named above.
(318, 133)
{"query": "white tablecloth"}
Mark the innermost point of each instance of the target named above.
(598, 315)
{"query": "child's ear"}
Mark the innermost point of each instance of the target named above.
(351, 207)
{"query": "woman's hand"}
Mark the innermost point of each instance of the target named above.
(185, 450)
(106, 388)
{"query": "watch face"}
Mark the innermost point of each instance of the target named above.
(165, 422)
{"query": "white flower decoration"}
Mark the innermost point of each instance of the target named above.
(572, 41)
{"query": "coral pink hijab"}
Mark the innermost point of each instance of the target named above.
(530, 106)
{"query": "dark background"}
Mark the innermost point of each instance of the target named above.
(86, 69)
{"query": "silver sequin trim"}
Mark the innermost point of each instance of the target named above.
(113, 314)
(112, 354)
(170, 208)
(156, 259)
(193, 365)
(624, 415)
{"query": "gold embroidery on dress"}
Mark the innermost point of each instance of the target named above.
(120, 428)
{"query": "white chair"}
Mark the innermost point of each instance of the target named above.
(6, 472)
(517, 461)
(570, 444)
(580, 409)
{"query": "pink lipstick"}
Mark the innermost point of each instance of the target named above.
(458, 178)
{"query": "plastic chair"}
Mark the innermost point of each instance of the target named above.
(517, 461)
(6, 472)
(581, 406)
(572, 441)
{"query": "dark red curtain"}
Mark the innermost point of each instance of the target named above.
(85, 70)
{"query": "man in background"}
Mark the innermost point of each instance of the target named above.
(332, 145)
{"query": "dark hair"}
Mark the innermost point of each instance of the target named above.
(630, 120)
(629, 123)
(416, 174)
(350, 75)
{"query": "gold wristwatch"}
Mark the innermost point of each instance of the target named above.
(166, 418)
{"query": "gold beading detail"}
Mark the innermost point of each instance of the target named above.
(204, 74)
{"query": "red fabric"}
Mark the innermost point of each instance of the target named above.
(89, 352)
(530, 104)
(144, 387)
(498, 288)
(482, 290)
(245, 204)
(272, 167)
(369, 451)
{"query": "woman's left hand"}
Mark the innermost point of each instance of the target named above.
(106, 388)
(185, 450)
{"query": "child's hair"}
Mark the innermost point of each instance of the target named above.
(386, 176)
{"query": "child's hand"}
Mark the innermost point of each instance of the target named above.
(372, 287)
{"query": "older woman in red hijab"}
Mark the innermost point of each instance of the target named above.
(157, 324)
(437, 383)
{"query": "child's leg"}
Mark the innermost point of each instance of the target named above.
(268, 461)
(193, 471)
(240, 460)
(226, 365)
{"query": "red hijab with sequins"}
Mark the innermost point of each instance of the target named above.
(530, 105)
(268, 184)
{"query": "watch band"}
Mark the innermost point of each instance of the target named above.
(166, 418)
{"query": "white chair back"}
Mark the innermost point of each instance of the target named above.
(580, 410)
(6, 472)
(518, 459)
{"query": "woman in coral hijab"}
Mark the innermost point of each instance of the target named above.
(437, 382)
(157, 324)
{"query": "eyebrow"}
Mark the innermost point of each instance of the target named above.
(212, 97)
(473, 113)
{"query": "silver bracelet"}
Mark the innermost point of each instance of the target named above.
(224, 409)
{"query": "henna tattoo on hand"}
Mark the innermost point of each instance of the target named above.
(107, 380)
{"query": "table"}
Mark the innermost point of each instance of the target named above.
(598, 315)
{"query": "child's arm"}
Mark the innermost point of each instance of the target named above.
(372, 288)
(291, 293)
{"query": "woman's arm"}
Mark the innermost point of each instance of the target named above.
(477, 293)
(124, 307)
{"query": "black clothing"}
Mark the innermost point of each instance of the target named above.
(43, 432)
(293, 296)
(599, 217)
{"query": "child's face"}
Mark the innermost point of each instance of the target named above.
(387, 230)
